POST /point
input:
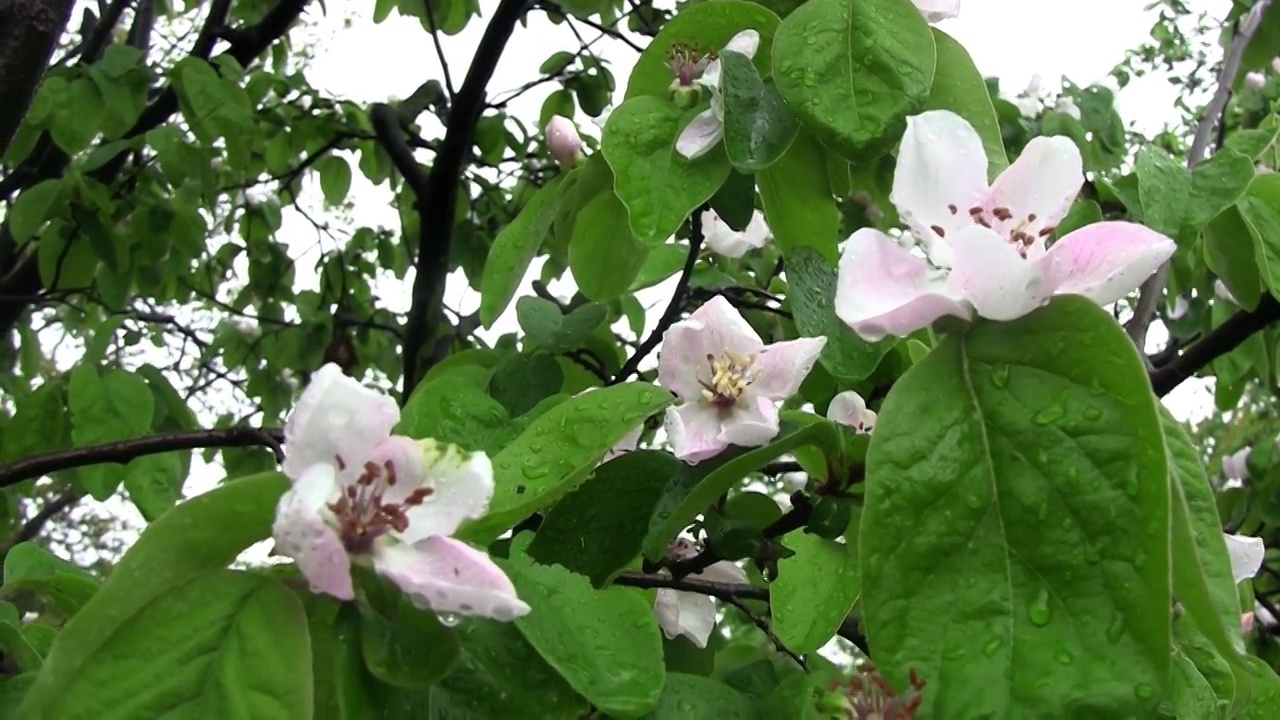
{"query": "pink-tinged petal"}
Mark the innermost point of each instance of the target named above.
(628, 443)
(723, 572)
(1001, 284)
(711, 330)
(336, 416)
(745, 42)
(1221, 290)
(1043, 181)
(724, 240)
(936, 10)
(1246, 555)
(563, 141)
(693, 429)
(461, 485)
(701, 135)
(849, 409)
(1246, 622)
(1107, 260)
(300, 532)
(941, 165)
(684, 613)
(752, 422)
(1235, 466)
(448, 576)
(882, 289)
(784, 365)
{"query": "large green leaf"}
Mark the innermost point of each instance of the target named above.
(692, 697)
(797, 199)
(454, 412)
(112, 406)
(658, 186)
(514, 248)
(1260, 209)
(812, 295)
(960, 88)
(604, 254)
(558, 449)
(204, 533)
(605, 643)
(223, 644)
(1022, 466)
(814, 591)
(758, 125)
(854, 69)
(1229, 253)
(29, 567)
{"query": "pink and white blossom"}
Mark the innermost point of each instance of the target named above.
(363, 495)
(563, 141)
(707, 128)
(724, 240)
(848, 408)
(979, 248)
(936, 10)
(729, 382)
(1235, 466)
(1255, 80)
(1246, 555)
(687, 613)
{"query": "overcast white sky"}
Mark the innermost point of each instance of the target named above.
(1011, 39)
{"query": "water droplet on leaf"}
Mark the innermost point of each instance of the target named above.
(449, 619)
(1038, 611)
(1049, 415)
(1115, 630)
(1144, 691)
(1000, 375)
(1092, 413)
(1063, 657)
(992, 647)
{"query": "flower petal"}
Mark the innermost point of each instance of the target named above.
(461, 483)
(628, 443)
(941, 165)
(1236, 466)
(935, 10)
(449, 576)
(784, 365)
(745, 42)
(882, 289)
(848, 408)
(1246, 555)
(300, 532)
(1106, 260)
(701, 134)
(752, 422)
(723, 572)
(684, 613)
(1001, 284)
(711, 330)
(693, 429)
(1043, 181)
(336, 416)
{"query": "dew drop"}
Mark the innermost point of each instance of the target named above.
(1038, 611)
(449, 619)
(992, 647)
(1115, 630)
(1092, 413)
(1000, 375)
(974, 502)
(533, 471)
(1144, 691)
(1043, 512)
(1063, 657)
(954, 653)
(1049, 415)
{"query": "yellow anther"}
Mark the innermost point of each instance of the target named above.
(729, 378)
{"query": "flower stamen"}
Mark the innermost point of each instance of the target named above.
(687, 63)
(362, 515)
(729, 379)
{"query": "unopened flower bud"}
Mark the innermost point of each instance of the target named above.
(563, 141)
(1255, 80)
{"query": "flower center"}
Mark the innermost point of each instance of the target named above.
(1021, 232)
(873, 697)
(729, 379)
(362, 514)
(687, 63)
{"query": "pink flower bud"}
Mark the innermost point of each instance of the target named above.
(1255, 80)
(562, 139)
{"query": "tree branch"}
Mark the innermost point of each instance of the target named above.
(29, 30)
(1149, 294)
(674, 308)
(1220, 341)
(122, 451)
(438, 201)
(32, 527)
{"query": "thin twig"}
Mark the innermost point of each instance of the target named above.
(1220, 341)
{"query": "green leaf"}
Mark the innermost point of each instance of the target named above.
(658, 186)
(1260, 210)
(599, 528)
(335, 179)
(604, 255)
(853, 71)
(29, 567)
(31, 209)
(15, 646)
(1264, 691)
(558, 449)
(64, 263)
(758, 125)
(1216, 184)
(223, 644)
(204, 533)
(1229, 252)
(692, 697)
(798, 204)
(812, 296)
(706, 26)
(12, 690)
(520, 382)
(1164, 186)
(1022, 466)
(661, 263)
(458, 413)
(553, 331)
(405, 646)
(605, 643)
(74, 131)
(960, 88)
(695, 487)
(114, 406)
(514, 248)
(815, 590)
(154, 483)
(39, 424)
(502, 675)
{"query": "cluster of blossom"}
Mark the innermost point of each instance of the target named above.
(1256, 80)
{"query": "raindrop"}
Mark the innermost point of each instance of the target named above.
(449, 619)
(534, 470)
(954, 653)
(1063, 657)
(1000, 375)
(975, 502)
(1115, 630)
(1092, 413)
(992, 647)
(1049, 415)
(1144, 691)
(1038, 611)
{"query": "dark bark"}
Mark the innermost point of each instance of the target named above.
(29, 30)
